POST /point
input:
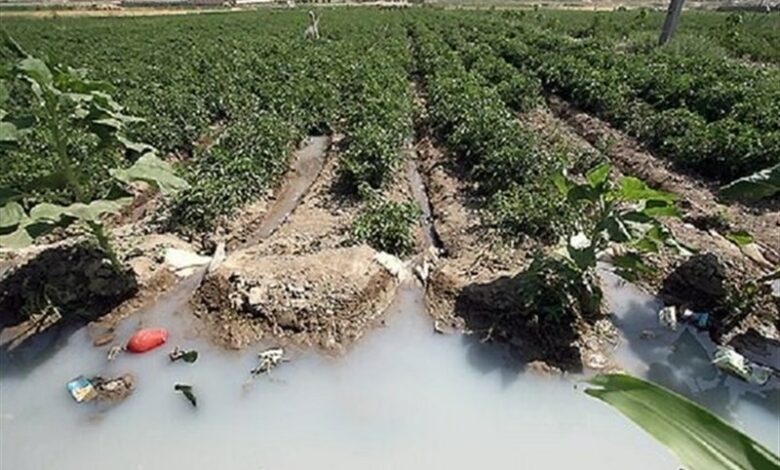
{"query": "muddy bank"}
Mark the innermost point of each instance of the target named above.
(325, 299)
(300, 278)
(474, 286)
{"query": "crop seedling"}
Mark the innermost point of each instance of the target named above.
(64, 105)
(622, 218)
(386, 225)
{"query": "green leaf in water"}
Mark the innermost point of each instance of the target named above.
(186, 390)
(701, 440)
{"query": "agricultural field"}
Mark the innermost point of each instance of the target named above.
(510, 174)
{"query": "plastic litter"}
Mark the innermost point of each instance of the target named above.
(114, 352)
(147, 339)
(269, 359)
(189, 356)
(393, 265)
(670, 318)
(667, 316)
(184, 263)
(81, 389)
(217, 259)
(735, 363)
(698, 319)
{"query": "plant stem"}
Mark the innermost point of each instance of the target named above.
(104, 243)
(62, 149)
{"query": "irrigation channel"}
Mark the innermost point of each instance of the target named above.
(404, 397)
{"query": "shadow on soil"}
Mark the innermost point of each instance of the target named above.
(44, 301)
(492, 310)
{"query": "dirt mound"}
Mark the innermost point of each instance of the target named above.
(326, 299)
(74, 280)
(474, 286)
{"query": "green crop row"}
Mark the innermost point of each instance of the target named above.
(505, 162)
(722, 127)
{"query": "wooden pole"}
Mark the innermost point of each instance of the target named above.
(670, 24)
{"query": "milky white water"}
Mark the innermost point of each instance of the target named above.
(405, 398)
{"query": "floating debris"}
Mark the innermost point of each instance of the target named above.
(667, 316)
(269, 359)
(393, 265)
(147, 339)
(189, 356)
(114, 352)
(183, 262)
(735, 363)
(81, 389)
(217, 259)
(114, 390)
(186, 390)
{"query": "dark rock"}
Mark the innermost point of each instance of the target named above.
(699, 283)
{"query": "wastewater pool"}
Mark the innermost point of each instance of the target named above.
(404, 398)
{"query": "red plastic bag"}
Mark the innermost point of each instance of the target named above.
(147, 339)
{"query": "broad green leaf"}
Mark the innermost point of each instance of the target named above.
(701, 440)
(88, 212)
(635, 190)
(8, 194)
(654, 237)
(582, 192)
(135, 147)
(4, 93)
(562, 183)
(759, 185)
(630, 266)
(616, 230)
(11, 215)
(583, 258)
(19, 238)
(151, 169)
(36, 69)
(657, 208)
(598, 175)
(740, 238)
(8, 133)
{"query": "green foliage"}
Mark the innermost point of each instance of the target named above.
(701, 440)
(623, 214)
(556, 291)
(760, 185)
(387, 225)
(62, 103)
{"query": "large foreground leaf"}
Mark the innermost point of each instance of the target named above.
(701, 440)
(151, 169)
(759, 185)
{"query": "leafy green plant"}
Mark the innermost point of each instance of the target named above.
(63, 103)
(701, 440)
(386, 225)
(760, 185)
(618, 217)
(624, 214)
